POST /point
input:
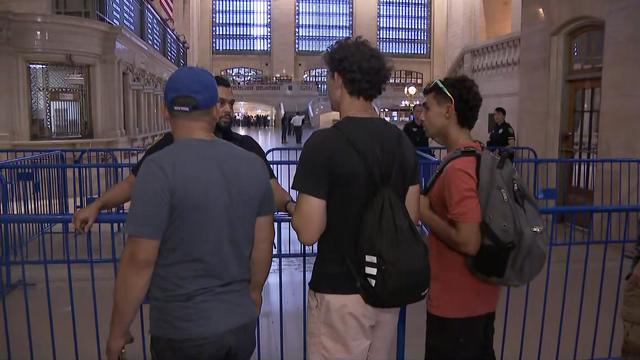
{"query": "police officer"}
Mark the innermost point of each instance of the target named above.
(502, 134)
(414, 130)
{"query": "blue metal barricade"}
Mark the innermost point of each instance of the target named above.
(520, 152)
(284, 154)
(569, 311)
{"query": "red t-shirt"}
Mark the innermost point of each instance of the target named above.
(455, 292)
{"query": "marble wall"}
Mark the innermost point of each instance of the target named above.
(126, 76)
(545, 26)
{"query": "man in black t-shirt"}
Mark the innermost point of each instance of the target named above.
(334, 188)
(502, 134)
(121, 192)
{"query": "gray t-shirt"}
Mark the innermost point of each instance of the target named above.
(200, 199)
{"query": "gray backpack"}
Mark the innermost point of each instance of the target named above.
(514, 238)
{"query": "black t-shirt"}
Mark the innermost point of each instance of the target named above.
(331, 170)
(244, 141)
(500, 135)
(416, 134)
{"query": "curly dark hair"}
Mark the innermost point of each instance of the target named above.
(362, 67)
(467, 98)
(501, 110)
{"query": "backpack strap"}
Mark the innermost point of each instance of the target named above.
(464, 152)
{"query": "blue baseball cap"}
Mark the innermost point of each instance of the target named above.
(189, 89)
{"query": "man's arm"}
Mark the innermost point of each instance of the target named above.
(310, 218)
(281, 197)
(132, 282)
(511, 136)
(412, 202)
(84, 218)
(462, 237)
(261, 257)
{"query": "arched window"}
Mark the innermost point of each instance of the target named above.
(317, 76)
(586, 48)
(406, 77)
(241, 26)
(242, 75)
(320, 23)
(404, 27)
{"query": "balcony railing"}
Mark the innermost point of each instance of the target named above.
(138, 16)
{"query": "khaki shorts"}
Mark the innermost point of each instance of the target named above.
(631, 320)
(344, 327)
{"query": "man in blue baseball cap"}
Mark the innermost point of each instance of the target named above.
(200, 232)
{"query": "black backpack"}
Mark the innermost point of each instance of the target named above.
(514, 238)
(392, 269)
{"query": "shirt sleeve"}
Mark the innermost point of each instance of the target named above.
(461, 191)
(411, 159)
(510, 133)
(249, 144)
(267, 204)
(312, 174)
(164, 141)
(150, 203)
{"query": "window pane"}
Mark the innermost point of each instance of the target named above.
(404, 27)
(407, 77)
(242, 25)
(320, 23)
(242, 75)
(317, 76)
(586, 50)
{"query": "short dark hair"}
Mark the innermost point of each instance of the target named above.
(363, 68)
(467, 98)
(186, 101)
(223, 81)
(501, 110)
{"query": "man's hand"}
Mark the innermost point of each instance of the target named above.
(84, 218)
(116, 344)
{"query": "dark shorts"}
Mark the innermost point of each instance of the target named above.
(460, 339)
(235, 344)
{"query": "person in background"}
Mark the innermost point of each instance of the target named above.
(285, 128)
(460, 307)
(119, 194)
(416, 133)
(334, 189)
(502, 134)
(201, 259)
(297, 122)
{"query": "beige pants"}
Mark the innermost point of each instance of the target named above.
(344, 327)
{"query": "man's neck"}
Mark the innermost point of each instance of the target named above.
(356, 107)
(193, 131)
(456, 138)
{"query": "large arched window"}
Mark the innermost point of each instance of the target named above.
(404, 27)
(320, 23)
(242, 75)
(317, 76)
(406, 77)
(241, 26)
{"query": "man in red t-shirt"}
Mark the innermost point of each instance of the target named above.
(460, 307)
